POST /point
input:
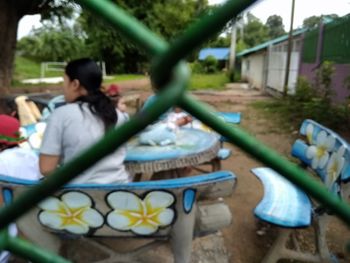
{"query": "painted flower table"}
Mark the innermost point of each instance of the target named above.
(192, 147)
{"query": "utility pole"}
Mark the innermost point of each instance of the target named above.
(290, 37)
(231, 66)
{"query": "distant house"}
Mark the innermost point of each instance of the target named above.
(264, 66)
(218, 53)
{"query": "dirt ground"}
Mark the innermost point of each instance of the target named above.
(241, 240)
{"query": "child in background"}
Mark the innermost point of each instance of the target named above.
(16, 161)
(8, 107)
(114, 93)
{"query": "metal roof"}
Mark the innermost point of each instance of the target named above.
(268, 43)
(218, 53)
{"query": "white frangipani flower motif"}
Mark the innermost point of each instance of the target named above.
(309, 132)
(142, 217)
(36, 138)
(335, 166)
(72, 213)
(318, 153)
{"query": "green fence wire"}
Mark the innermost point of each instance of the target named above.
(335, 42)
(171, 76)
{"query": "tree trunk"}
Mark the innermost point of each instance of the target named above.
(9, 19)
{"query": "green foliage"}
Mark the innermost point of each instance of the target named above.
(304, 91)
(167, 18)
(255, 32)
(221, 41)
(210, 64)
(215, 81)
(275, 26)
(50, 43)
(234, 76)
(323, 80)
(196, 67)
(240, 46)
(314, 21)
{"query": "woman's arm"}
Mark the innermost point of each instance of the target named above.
(48, 163)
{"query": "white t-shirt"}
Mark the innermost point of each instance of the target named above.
(20, 163)
(73, 128)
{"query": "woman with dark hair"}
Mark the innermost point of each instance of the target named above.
(86, 117)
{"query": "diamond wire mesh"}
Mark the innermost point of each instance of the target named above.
(170, 76)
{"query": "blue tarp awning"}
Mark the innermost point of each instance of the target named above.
(218, 53)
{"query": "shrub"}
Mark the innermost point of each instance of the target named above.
(210, 64)
(304, 91)
(323, 80)
(196, 67)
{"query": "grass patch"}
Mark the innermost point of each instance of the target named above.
(123, 77)
(279, 111)
(29, 69)
(215, 81)
(25, 69)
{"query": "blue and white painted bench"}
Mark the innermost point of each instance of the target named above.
(165, 209)
(223, 153)
(326, 154)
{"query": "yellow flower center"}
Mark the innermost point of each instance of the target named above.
(72, 216)
(145, 216)
(321, 150)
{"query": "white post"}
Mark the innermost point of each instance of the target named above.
(233, 47)
(42, 71)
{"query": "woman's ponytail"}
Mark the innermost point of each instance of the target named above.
(90, 77)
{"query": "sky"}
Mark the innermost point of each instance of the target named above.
(262, 9)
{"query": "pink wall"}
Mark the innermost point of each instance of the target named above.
(341, 72)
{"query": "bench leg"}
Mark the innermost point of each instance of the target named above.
(279, 249)
(31, 229)
(182, 234)
(320, 225)
(216, 165)
(276, 251)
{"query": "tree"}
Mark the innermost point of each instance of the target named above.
(275, 26)
(167, 18)
(255, 32)
(52, 43)
(10, 14)
(314, 21)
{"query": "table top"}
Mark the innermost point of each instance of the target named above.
(192, 147)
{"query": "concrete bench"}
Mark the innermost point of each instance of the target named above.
(177, 210)
(326, 155)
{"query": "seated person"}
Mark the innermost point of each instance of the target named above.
(8, 107)
(83, 121)
(28, 112)
(114, 93)
(15, 161)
